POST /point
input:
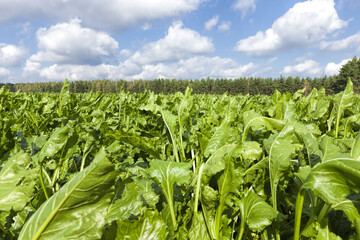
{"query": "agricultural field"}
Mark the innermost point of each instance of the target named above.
(179, 166)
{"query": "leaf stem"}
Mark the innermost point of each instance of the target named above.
(298, 210)
(357, 227)
(83, 161)
(42, 183)
(323, 212)
(198, 186)
(242, 227)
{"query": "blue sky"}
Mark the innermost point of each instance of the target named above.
(43, 40)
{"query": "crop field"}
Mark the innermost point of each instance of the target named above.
(179, 166)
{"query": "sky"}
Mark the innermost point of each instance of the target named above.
(42, 40)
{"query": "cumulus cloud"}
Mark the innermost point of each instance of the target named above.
(11, 55)
(125, 52)
(190, 68)
(244, 6)
(178, 43)
(197, 67)
(211, 23)
(108, 14)
(304, 24)
(304, 68)
(4, 75)
(224, 26)
(334, 68)
(70, 43)
(349, 43)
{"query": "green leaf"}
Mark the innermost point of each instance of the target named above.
(355, 150)
(198, 228)
(252, 151)
(325, 234)
(127, 204)
(347, 206)
(166, 174)
(216, 162)
(256, 212)
(229, 182)
(147, 192)
(149, 226)
(137, 141)
(170, 121)
(328, 148)
(64, 97)
(78, 208)
(334, 179)
(17, 182)
(220, 137)
(343, 100)
(55, 143)
(252, 119)
(312, 147)
(280, 149)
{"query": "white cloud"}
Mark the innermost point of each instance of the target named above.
(197, 67)
(178, 43)
(146, 26)
(333, 68)
(304, 68)
(224, 26)
(244, 6)
(11, 55)
(349, 43)
(304, 24)
(190, 68)
(106, 14)
(4, 75)
(70, 43)
(211, 23)
(125, 52)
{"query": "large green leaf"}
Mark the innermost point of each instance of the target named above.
(149, 226)
(280, 149)
(326, 234)
(198, 228)
(142, 143)
(170, 121)
(216, 162)
(221, 135)
(312, 147)
(334, 179)
(79, 208)
(256, 212)
(166, 174)
(252, 119)
(347, 206)
(55, 143)
(127, 203)
(17, 182)
(343, 100)
(329, 149)
(355, 150)
(64, 98)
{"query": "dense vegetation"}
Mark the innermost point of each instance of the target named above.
(180, 166)
(333, 84)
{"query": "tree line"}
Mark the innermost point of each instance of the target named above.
(250, 85)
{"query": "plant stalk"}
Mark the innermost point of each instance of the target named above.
(42, 183)
(198, 186)
(242, 227)
(298, 210)
(323, 212)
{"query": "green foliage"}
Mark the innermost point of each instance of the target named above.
(180, 166)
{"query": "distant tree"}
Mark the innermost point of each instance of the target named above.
(349, 70)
